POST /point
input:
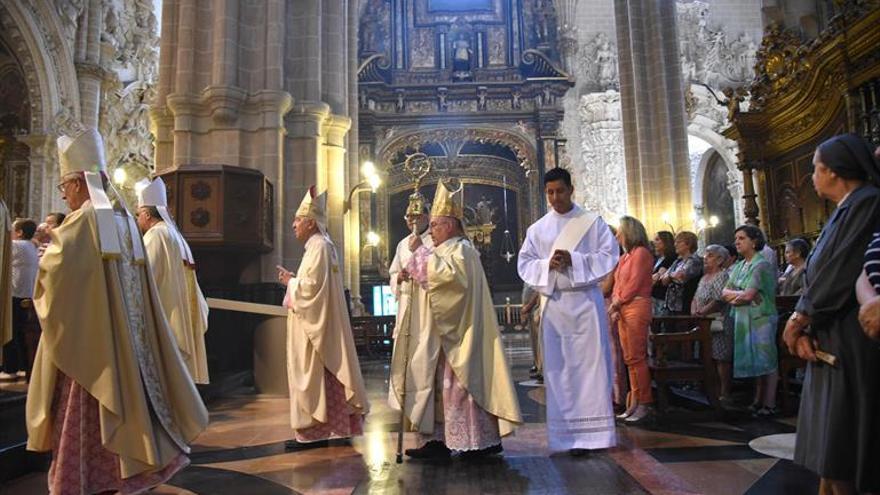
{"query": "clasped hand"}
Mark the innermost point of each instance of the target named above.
(560, 260)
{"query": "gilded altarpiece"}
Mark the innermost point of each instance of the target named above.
(805, 92)
(476, 85)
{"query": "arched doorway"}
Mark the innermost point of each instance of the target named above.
(15, 118)
(717, 201)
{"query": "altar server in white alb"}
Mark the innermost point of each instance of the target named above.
(564, 256)
(402, 257)
(173, 267)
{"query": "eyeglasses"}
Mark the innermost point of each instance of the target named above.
(60, 187)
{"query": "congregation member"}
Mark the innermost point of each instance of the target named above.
(54, 220)
(565, 255)
(868, 290)
(708, 301)
(464, 395)
(328, 400)
(41, 237)
(5, 277)
(838, 435)
(751, 294)
(171, 262)
(19, 354)
(664, 257)
(683, 275)
(619, 382)
(631, 309)
(529, 318)
(109, 396)
(791, 283)
(417, 225)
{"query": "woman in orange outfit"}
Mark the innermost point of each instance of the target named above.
(631, 308)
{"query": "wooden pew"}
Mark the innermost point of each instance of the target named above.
(672, 333)
(373, 335)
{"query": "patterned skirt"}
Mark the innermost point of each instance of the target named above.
(342, 420)
(80, 463)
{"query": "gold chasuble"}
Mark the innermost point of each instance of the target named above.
(5, 277)
(465, 320)
(182, 299)
(319, 336)
(113, 340)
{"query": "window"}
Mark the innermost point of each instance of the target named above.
(383, 301)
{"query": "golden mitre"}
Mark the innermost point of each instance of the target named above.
(445, 204)
(314, 206)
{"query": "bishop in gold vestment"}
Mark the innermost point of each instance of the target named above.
(109, 395)
(464, 384)
(327, 395)
(173, 268)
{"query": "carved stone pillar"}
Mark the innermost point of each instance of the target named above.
(601, 170)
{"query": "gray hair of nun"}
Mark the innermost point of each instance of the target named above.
(719, 251)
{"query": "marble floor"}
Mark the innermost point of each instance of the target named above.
(242, 452)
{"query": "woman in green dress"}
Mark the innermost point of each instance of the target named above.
(751, 293)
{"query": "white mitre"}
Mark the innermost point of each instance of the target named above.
(84, 153)
(314, 207)
(154, 194)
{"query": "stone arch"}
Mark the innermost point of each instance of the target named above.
(32, 30)
(520, 144)
(727, 151)
(34, 34)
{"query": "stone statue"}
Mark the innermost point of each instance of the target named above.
(461, 54)
(69, 11)
(606, 59)
(732, 103)
(485, 213)
(543, 14)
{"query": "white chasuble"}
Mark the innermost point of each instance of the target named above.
(113, 340)
(319, 337)
(577, 355)
(182, 300)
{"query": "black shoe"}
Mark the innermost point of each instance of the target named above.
(533, 372)
(766, 412)
(435, 449)
(579, 452)
(539, 379)
(478, 454)
(293, 445)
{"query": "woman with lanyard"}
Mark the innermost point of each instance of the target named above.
(838, 432)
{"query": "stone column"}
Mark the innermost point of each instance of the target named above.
(352, 224)
(221, 100)
(304, 158)
(43, 197)
(332, 178)
(653, 113)
(87, 61)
